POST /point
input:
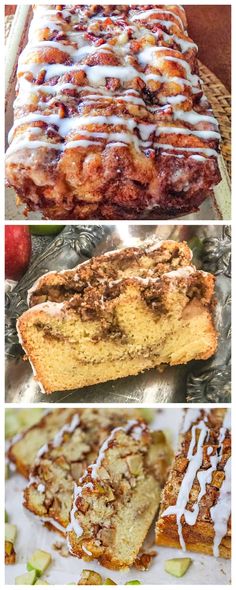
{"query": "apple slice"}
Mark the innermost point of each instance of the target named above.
(178, 566)
(10, 532)
(28, 578)
(39, 561)
(90, 578)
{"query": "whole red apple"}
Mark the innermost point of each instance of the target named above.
(17, 250)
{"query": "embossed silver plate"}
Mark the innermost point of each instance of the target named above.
(199, 381)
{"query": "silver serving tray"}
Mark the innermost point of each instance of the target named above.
(199, 381)
(215, 207)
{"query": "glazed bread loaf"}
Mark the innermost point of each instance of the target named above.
(196, 502)
(25, 446)
(110, 119)
(117, 498)
(63, 460)
(120, 328)
(148, 260)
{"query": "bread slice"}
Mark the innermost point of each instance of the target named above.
(63, 461)
(149, 260)
(118, 497)
(120, 328)
(196, 500)
(25, 446)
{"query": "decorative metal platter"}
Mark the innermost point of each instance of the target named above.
(199, 381)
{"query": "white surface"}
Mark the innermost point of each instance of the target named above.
(32, 535)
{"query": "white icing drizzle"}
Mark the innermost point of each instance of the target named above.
(136, 429)
(190, 416)
(67, 428)
(195, 462)
(86, 550)
(136, 433)
(76, 47)
(166, 146)
(145, 14)
(74, 524)
(220, 513)
(227, 420)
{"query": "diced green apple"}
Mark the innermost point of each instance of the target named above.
(178, 566)
(28, 578)
(39, 561)
(10, 532)
(90, 578)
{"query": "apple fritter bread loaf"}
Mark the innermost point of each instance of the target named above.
(119, 328)
(118, 496)
(110, 119)
(25, 446)
(196, 501)
(64, 459)
(148, 260)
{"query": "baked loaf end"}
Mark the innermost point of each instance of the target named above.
(146, 261)
(119, 329)
(110, 117)
(63, 461)
(196, 504)
(24, 449)
(117, 499)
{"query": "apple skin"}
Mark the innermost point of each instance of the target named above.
(17, 251)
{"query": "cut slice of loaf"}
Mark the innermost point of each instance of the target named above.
(148, 260)
(195, 512)
(63, 460)
(120, 328)
(25, 446)
(118, 497)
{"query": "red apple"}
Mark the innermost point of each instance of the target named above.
(17, 250)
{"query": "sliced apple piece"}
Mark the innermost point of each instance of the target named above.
(178, 566)
(39, 561)
(28, 578)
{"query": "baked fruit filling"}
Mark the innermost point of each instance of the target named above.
(149, 260)
(63, 461)
(195, 512)
(118, 497)
(24, 449)
(120, 328)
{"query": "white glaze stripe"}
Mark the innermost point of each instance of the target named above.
(221, 511)
(77, 46)
(136, 432)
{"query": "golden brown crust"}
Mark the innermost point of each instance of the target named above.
(102, 333)
(23, 451)
(200, 534)
(149, 260)
(10, 558)
(52, 477)
(118, 493)
(128, 71)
